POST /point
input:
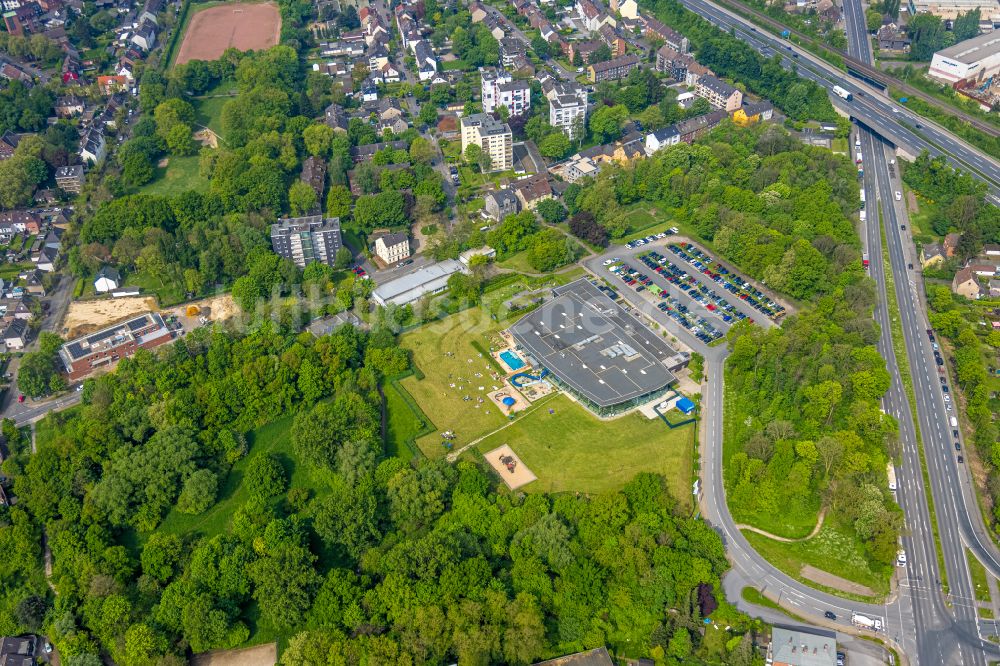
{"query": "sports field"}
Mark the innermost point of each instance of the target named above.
(241, 25)
(569, 449)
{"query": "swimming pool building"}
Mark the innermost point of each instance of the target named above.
(597, 350)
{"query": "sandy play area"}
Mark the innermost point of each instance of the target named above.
(509, 400)
(245, 26)
(500, 457)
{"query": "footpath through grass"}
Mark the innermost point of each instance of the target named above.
(835, 549)
(569, 449)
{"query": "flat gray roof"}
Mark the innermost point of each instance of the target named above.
(803, 646)
(593, 345)
(424, 280)
(973, 50)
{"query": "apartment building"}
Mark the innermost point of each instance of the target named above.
(719, 94)
(614, 69)
(568, 108)
(498, 89)
(492, 136)
(307, 239)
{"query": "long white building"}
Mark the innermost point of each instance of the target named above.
(968, 63)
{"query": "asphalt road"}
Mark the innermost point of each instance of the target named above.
(891, 120)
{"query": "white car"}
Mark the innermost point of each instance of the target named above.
(608, 262)
(901, 558)
(947, 398)
(899, 196)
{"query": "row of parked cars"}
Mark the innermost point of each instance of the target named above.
(639, 242)
(673, 308)
(693, 288)
(734, 284)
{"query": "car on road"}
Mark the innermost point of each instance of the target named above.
(961, 459)
(901, 558)
(899, 196)
(830, 615)
(958, 447)
(910, 266)
(903, 227)
(955, 433)
(20, 398)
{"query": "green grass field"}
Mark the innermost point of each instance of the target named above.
(834, 549)
(444, 353)
(208, 111)
(180, 174)
(169, 292)
(275, 438)
(402, 424)
(570, 449)
(978, 574)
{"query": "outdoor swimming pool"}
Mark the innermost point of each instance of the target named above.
(512, 360)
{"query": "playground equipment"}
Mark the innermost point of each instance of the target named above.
(516, 379)
(509, 462)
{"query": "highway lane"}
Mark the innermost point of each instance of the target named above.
(892, 120)
(929, 612)
(925, 628)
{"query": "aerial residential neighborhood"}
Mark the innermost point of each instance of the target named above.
(548, 332)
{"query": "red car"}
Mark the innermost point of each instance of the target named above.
(20, 398)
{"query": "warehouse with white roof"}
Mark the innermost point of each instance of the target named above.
(968, 63)
(432, 279)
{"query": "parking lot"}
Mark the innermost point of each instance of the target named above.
(685, 290)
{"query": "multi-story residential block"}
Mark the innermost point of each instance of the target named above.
(616, 68)
(614, 41)
(307, 239)
(719, 94)
(492, 136)
(672, 38)
(70, 178)
(498, 89)
(568, 108)
(510, 48)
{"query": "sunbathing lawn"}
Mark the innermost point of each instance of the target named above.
(571, 450)
(443, 351)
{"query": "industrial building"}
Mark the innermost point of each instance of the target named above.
(432, 279)
(950, 9)
(969, 63)
(102, 349)
(596, 350)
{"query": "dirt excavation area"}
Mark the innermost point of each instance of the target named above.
(242, 25)
(259, 655)
(88, 316)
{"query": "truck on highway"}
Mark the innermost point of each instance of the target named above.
(862, 197)
(864, 216)
(865, 622)
(840, 92)
(890, 472)
(864, 259)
